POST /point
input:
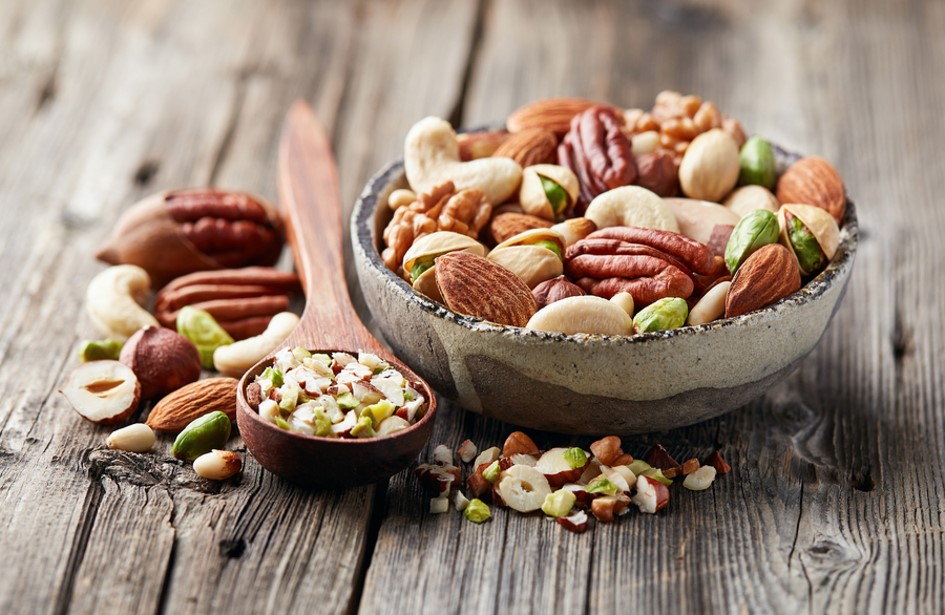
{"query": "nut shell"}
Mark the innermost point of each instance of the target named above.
(768, 275)
(818, 221)
(533, 264)
(814, 181)
(531, 195)
(439, 243)
(163, 360)
(476, 286)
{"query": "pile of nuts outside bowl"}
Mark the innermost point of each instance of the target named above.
(220, 306)
(583, 218)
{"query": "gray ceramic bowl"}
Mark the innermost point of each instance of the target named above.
(591, 384)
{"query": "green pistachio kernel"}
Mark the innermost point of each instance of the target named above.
(282, 424)
(557, 196)
(550, 245)
(202, 435)
(755, 230)
(419, 268)
(379, 411)
(348, 401)
(756, 164)
(273, 375)
(492, 472)
(290, 399)
(477, 511)
(602, 486)
(322, 423)
(559, 503)
(364, 428)
(662, 315)
(638, 467)
(576, 457)
(203, 330)
(98, 350)
(657, 474)
(810, 256)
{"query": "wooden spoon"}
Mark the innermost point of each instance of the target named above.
(311, 202)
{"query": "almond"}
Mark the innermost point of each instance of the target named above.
(552, 114)
(814, 181)
(768, 275)
(178, 409)
(529, 147)
(475, 145)
(476, 286)
(507, 225)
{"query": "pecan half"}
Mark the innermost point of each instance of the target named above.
(598, 152)
(243, 301)
(178, 232)
(647, 263)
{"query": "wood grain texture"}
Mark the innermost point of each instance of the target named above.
(836, 502)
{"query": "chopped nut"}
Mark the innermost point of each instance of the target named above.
(701, 479)
(607, 507)
(715, 460)
(467, 451)
(576, 523)
(487, 456)
(559, 503)
(608, 451)
(439, 506)
(491, 473)
(442, 455)
(460, 501)
(690, 465)
(477, 511)
(659, 457)
(519, 443)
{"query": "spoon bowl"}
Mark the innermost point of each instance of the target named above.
(311, 202)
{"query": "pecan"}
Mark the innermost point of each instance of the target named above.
(178, 232)
(241, 300)
(647, 263)
(598, 152)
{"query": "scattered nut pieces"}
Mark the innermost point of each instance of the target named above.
(700, 479)
(467, 451)
(104, 392)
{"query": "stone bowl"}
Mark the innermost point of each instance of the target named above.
(592, 384)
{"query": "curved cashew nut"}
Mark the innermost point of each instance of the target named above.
(631, 206)
(112, 301)
(431, 157)
(234, 359)
(587, 314)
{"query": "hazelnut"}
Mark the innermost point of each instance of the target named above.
(657, 172)
(162, 360)
(556, 289)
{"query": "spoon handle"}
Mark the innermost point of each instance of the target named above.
(311, 201)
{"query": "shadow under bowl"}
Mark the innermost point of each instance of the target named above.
(592, 384)
(312, 461)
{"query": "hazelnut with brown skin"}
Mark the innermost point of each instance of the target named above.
(162, 360)
(556, 289)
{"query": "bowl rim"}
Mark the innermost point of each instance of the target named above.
(364, 240)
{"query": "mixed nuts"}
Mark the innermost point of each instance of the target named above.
(575, 198)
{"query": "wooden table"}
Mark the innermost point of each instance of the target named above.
(837, 498)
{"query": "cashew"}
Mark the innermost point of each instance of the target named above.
(587, 314)
(234, 359)
(112, 301)
(573, 230)
(431, 157)
(631, 206)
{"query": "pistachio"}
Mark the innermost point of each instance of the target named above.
(576, 457)
(657, 474)
(755, 230)
(97, 350)
(421, 256)
(748, 198)
(542, 237)
(202, 435)
(601, 486)
(491, 473)
(661, 315)
(532, 263)
(548, 190)
(364, 428)
(811, 234)
(203, 330)
(756, 164)
(477, 511)
(559, 503)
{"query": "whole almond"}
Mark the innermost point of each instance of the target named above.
(768, 275)
(529, 147)
(552, 114)
(475, 145)
(814, 181)
(178, 409)
(474, 285)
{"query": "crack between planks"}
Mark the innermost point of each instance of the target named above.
(80, 541)
(455, 116)
(797, 528)
(163, 602)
